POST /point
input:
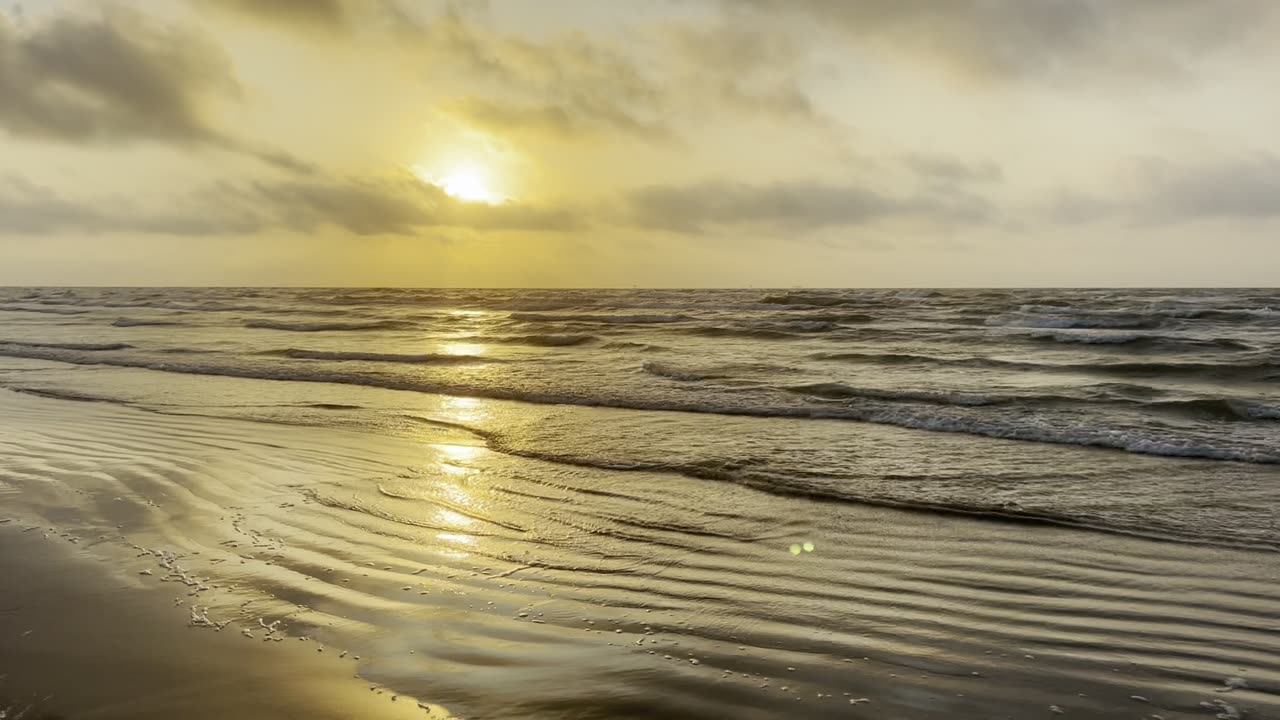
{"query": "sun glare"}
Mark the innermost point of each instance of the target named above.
(468, 184)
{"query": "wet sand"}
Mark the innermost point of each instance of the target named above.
(498, 586)
(83, 644)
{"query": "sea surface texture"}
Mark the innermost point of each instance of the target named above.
(701, 504)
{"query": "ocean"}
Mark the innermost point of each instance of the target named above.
(672, 503)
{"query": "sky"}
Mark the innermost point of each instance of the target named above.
(651, 143)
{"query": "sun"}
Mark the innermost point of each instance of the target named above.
(467, 183)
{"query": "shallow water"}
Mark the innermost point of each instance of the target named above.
(491, 498)
(1155, 376)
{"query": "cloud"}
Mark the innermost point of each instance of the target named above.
(395, 205)
(1163, 191)
(741, 67)
(30, 209)
(571, 84)
(1246, 186)
(117, 78)
(108, 79)
(583, 118)
(568, 84)
(791, 205)
(937, 168)
(325, 15)
(1015, 39)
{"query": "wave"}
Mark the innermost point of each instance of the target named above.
(811, 300)
(800, 326)
(333, 406)
(1228, 409)
(1220, 409)
(84, 347)
(132, 322)
(788, 483)
(418, 359)
(832, 318)
(42, 310)
(840, 391)
(534, 340)
(187, 351)
(636, 346)
(329, 326)
(1224, 314)
(1131, 339)
(65, 395)
(85, 305)
(674, 372)
(1252, 369)
(605, 319)
(1035, 320)
(1066, 430)
(758, 332)
(1154, 313)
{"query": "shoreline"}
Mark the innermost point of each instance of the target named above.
(499, 592)
(80, 644)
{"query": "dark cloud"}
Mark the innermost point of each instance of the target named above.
(573, 84)
(382, 206)
(1242, 187)
(944, 169)
(791, 205)
(1165, 191)
(390, 206)
(743, 67)
(117, 78)
(1003, 39)
(108, 79)
(581, 119)
(564, 85)
(326, 15)
(30, 209)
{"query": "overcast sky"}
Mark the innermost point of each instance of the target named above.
(651, 143)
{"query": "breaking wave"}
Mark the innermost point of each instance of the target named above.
(83, 347)
(1066, 429)
(329, 326)
(418, 359)
(1246, 369)
(599, 319)
(138, 322)
(1035, 320)
(1135, 340)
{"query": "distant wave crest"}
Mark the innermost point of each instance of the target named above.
(413, 359)
(83, 347)
(329, 326)
(143, 322)
(648, 319)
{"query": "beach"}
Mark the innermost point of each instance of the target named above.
(902, 614)
(170, 534)
(83, 642)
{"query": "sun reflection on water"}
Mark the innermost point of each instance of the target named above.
(460, 538)
(459, 453)
(452, 517)
(462, 348)
(464, 410)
